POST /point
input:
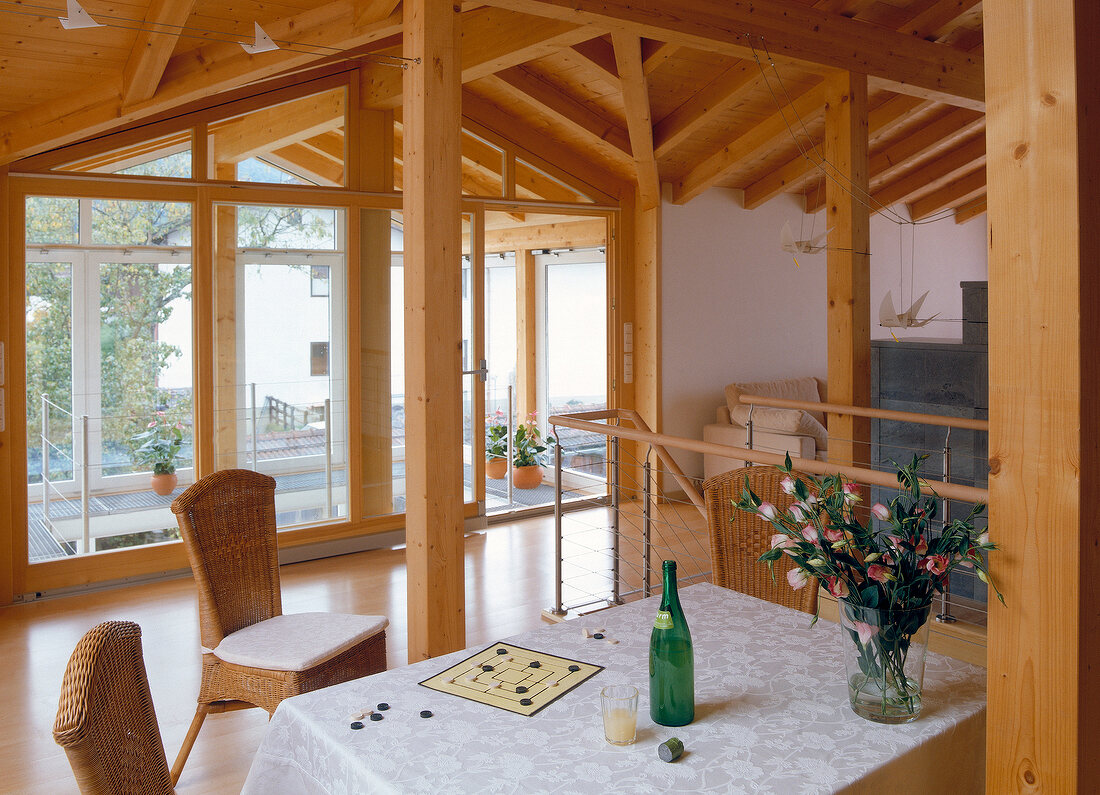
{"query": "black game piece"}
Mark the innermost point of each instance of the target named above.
(383, 706)
(357, 724)
(598, 636)
(486, 667)
(521, 689)
(574, 668)
(535, 664)
(525, 702)
(375, 716)
(502, 651)
(425, 713)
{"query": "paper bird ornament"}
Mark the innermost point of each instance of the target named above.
(262, 42)
(812, 246)
(78, 17)
(891, 318)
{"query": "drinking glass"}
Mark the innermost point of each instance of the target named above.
(619, 706)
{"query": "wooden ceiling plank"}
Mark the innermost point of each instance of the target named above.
(153, 48)
(573, 112)
(486, 114)
(954, 163)
(972, 209)
(937, 20)
(655, 53)
(703, 106)
(492, 39)
(189, 76)
(799, 168)
(961, 190)
(639, 123)
(600, 54)
(711, 170)
(905, 63)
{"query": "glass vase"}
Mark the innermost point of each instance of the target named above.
(884, 660)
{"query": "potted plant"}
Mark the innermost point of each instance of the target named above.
(159, 444)
(528, 447)
(884, 575)
(496, 446)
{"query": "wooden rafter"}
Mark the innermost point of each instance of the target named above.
(946, 167)
(628, 58)
(971, 209)
(152, 48)
(329, 144)
(655, 53)
(940, 132)
(493, 39)
(704, 105)
(803, 166)
(956, 193)
(275, 127)
(190, 75)
(301, 159)
(714, 168)
(909, 65)
(938, 18)
(521, 82)
(600, 54)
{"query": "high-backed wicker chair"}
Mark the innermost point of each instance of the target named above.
(253, 654)
(738, 539)
(105, 718)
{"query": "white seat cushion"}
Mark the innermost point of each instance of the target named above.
(297, 641)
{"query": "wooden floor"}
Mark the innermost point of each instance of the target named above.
(509, 579)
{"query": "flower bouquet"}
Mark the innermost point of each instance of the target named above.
(884, 575)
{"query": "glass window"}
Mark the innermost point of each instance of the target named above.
(118, 222)
(167, 156)
(301, 228)
(52, 221)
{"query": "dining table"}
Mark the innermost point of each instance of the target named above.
(771, 716)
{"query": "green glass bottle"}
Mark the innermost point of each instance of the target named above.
(671, 660)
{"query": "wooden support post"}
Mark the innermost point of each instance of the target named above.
(526, 338)
(228, 390)
(14, 316)
(433, 330)
(1044, 438)
(848, 316)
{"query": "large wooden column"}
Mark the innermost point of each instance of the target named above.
(527, 399)
(1043, 171)
(433, 330)
(11, 487)
(848, 318)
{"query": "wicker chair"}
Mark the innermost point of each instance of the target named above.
(738, 539)
(105, 718)
(253, 654)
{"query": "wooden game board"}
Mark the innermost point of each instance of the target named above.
(516, 668)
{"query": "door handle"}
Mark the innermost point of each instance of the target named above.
(482, 372)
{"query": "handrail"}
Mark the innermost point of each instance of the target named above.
(583, 421)
(859, 411)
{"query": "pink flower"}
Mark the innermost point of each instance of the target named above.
(851, 493)
(799, 512)
(809, 532)
(768, 511)
(787, 484)
(797, 578)
(922, 547)
(983, 539)
(833, 534)
(894, 542)
(880, 511)
(935, 564)
(879, 573)
(837, 587)
(865, 631)
(782, 541)
(152, 424)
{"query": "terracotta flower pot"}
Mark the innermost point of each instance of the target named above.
(164, 484)
(496, 468)
(527, 477)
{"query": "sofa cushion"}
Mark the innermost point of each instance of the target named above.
(794, 421)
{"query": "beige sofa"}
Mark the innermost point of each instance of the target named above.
(800, 433)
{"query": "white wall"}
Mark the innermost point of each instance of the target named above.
(736, 308)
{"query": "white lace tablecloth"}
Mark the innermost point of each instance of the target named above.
(772, 715)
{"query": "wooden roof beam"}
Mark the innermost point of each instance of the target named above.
(639, 123)
(579, 117)
(949, 166)
(655, 53)
(939, 18)
(493, 39)
(153, 48)
(956, 124)
(714, 168)
(278, 126)
(799, 168)
(190, 75)
(972, 209)
(905, 64)
(958, 192)
(300, 159)
(329, 144)
(703, 106)
(599, 53)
